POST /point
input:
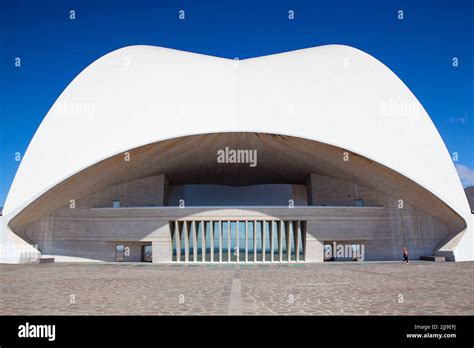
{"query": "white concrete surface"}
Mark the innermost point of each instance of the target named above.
(140, 94)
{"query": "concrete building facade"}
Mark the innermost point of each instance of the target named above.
(159, 155)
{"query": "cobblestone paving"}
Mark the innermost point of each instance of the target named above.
(293, 289)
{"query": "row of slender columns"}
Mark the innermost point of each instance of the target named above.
(293, 232)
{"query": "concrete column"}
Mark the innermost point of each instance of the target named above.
(271, 241)
(203, 241)
(303, 239)
(163, 185)
(162, 247)
(246, 241)
(255, 241)
(237, 233)
(280, 241)
(229, 251)
(220, 240)
(195, 242)
(311, 189)
(186, 242)
(212, 240)
(288, 240)
(297, 240)
(314, 248)
(178, 241)
(263, 239)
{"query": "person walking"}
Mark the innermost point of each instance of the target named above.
(405, 254)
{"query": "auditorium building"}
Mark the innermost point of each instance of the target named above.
(158, 155)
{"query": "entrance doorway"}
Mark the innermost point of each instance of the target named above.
(147, 253)
(238, 241)
(120, 253)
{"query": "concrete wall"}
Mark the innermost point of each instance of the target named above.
(403, 224)
(92, 233)
(149, 191)
(324, 190)
(85, 250)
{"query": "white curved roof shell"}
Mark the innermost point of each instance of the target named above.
(332, 94)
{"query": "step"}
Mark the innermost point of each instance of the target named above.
(46, 260)
(433, 258)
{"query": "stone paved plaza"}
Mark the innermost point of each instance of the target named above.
(293, 289)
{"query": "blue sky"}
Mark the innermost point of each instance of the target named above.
(54, 49)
